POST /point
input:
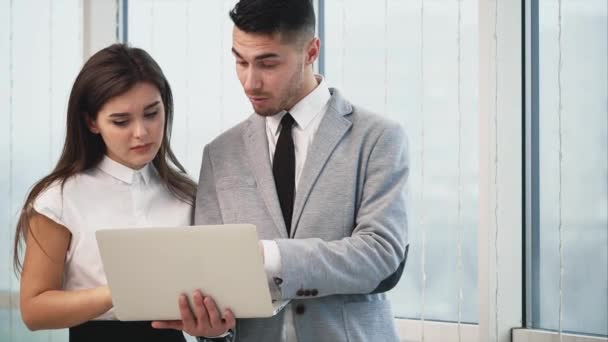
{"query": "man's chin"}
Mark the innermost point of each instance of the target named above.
(265, 112)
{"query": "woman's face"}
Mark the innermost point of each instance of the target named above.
(132, 125)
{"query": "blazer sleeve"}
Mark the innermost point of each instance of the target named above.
(207, 206)
(376, 250)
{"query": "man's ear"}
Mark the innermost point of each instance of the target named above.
(91, 124)
(312, 50)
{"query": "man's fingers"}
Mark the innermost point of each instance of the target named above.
(205, 321)
(229, 320)
(202, 318)
(214, 314)
(188, 320)
(177, 325)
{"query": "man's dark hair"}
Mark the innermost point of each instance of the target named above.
(292, 19)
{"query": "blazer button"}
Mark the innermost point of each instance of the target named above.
(300, 293)
(307, 293)
(314, 292)
(300, 309)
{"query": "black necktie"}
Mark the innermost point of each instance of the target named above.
(284, 169)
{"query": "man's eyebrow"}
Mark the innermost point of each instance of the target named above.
(236, 53)
(266, 55)
(259, 57)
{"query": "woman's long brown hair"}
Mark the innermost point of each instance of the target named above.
(107, 74)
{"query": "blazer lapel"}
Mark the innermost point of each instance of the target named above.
(332, 128)
(259, 159)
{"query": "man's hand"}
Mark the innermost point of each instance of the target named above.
(206, 320)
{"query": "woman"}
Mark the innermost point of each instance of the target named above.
(116, 169)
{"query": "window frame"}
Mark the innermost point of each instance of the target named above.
(532, 199)
(501, 169)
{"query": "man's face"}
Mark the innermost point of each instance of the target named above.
(270, 70)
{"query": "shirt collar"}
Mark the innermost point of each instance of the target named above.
(122, 172)
(306, 110)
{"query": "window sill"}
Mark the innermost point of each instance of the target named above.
(411, 330)
(532, 335)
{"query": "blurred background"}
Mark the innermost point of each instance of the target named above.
(415, 61)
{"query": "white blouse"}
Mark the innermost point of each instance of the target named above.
(110, 195)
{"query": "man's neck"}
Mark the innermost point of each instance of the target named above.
(310, 83)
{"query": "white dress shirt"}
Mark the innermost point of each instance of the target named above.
(110, 195)
(307, 114)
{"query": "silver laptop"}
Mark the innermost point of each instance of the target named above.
(148, 268)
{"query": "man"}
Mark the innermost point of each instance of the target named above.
(323, 181)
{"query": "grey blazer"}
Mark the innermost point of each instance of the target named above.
(348, 238)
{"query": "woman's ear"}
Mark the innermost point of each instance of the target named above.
(91, 124)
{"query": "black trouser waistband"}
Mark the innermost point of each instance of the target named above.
(94, 331)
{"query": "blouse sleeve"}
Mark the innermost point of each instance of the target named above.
(50, 203)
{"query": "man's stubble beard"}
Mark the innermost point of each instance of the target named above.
(294, 86)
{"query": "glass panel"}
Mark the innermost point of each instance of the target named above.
(402, 60)
(572, 189)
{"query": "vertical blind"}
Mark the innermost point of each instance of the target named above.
(40, 55)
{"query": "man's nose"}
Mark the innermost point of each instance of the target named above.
(253, 81)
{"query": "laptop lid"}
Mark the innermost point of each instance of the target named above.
(148, 268)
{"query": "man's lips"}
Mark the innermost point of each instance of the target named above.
(257, 99)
